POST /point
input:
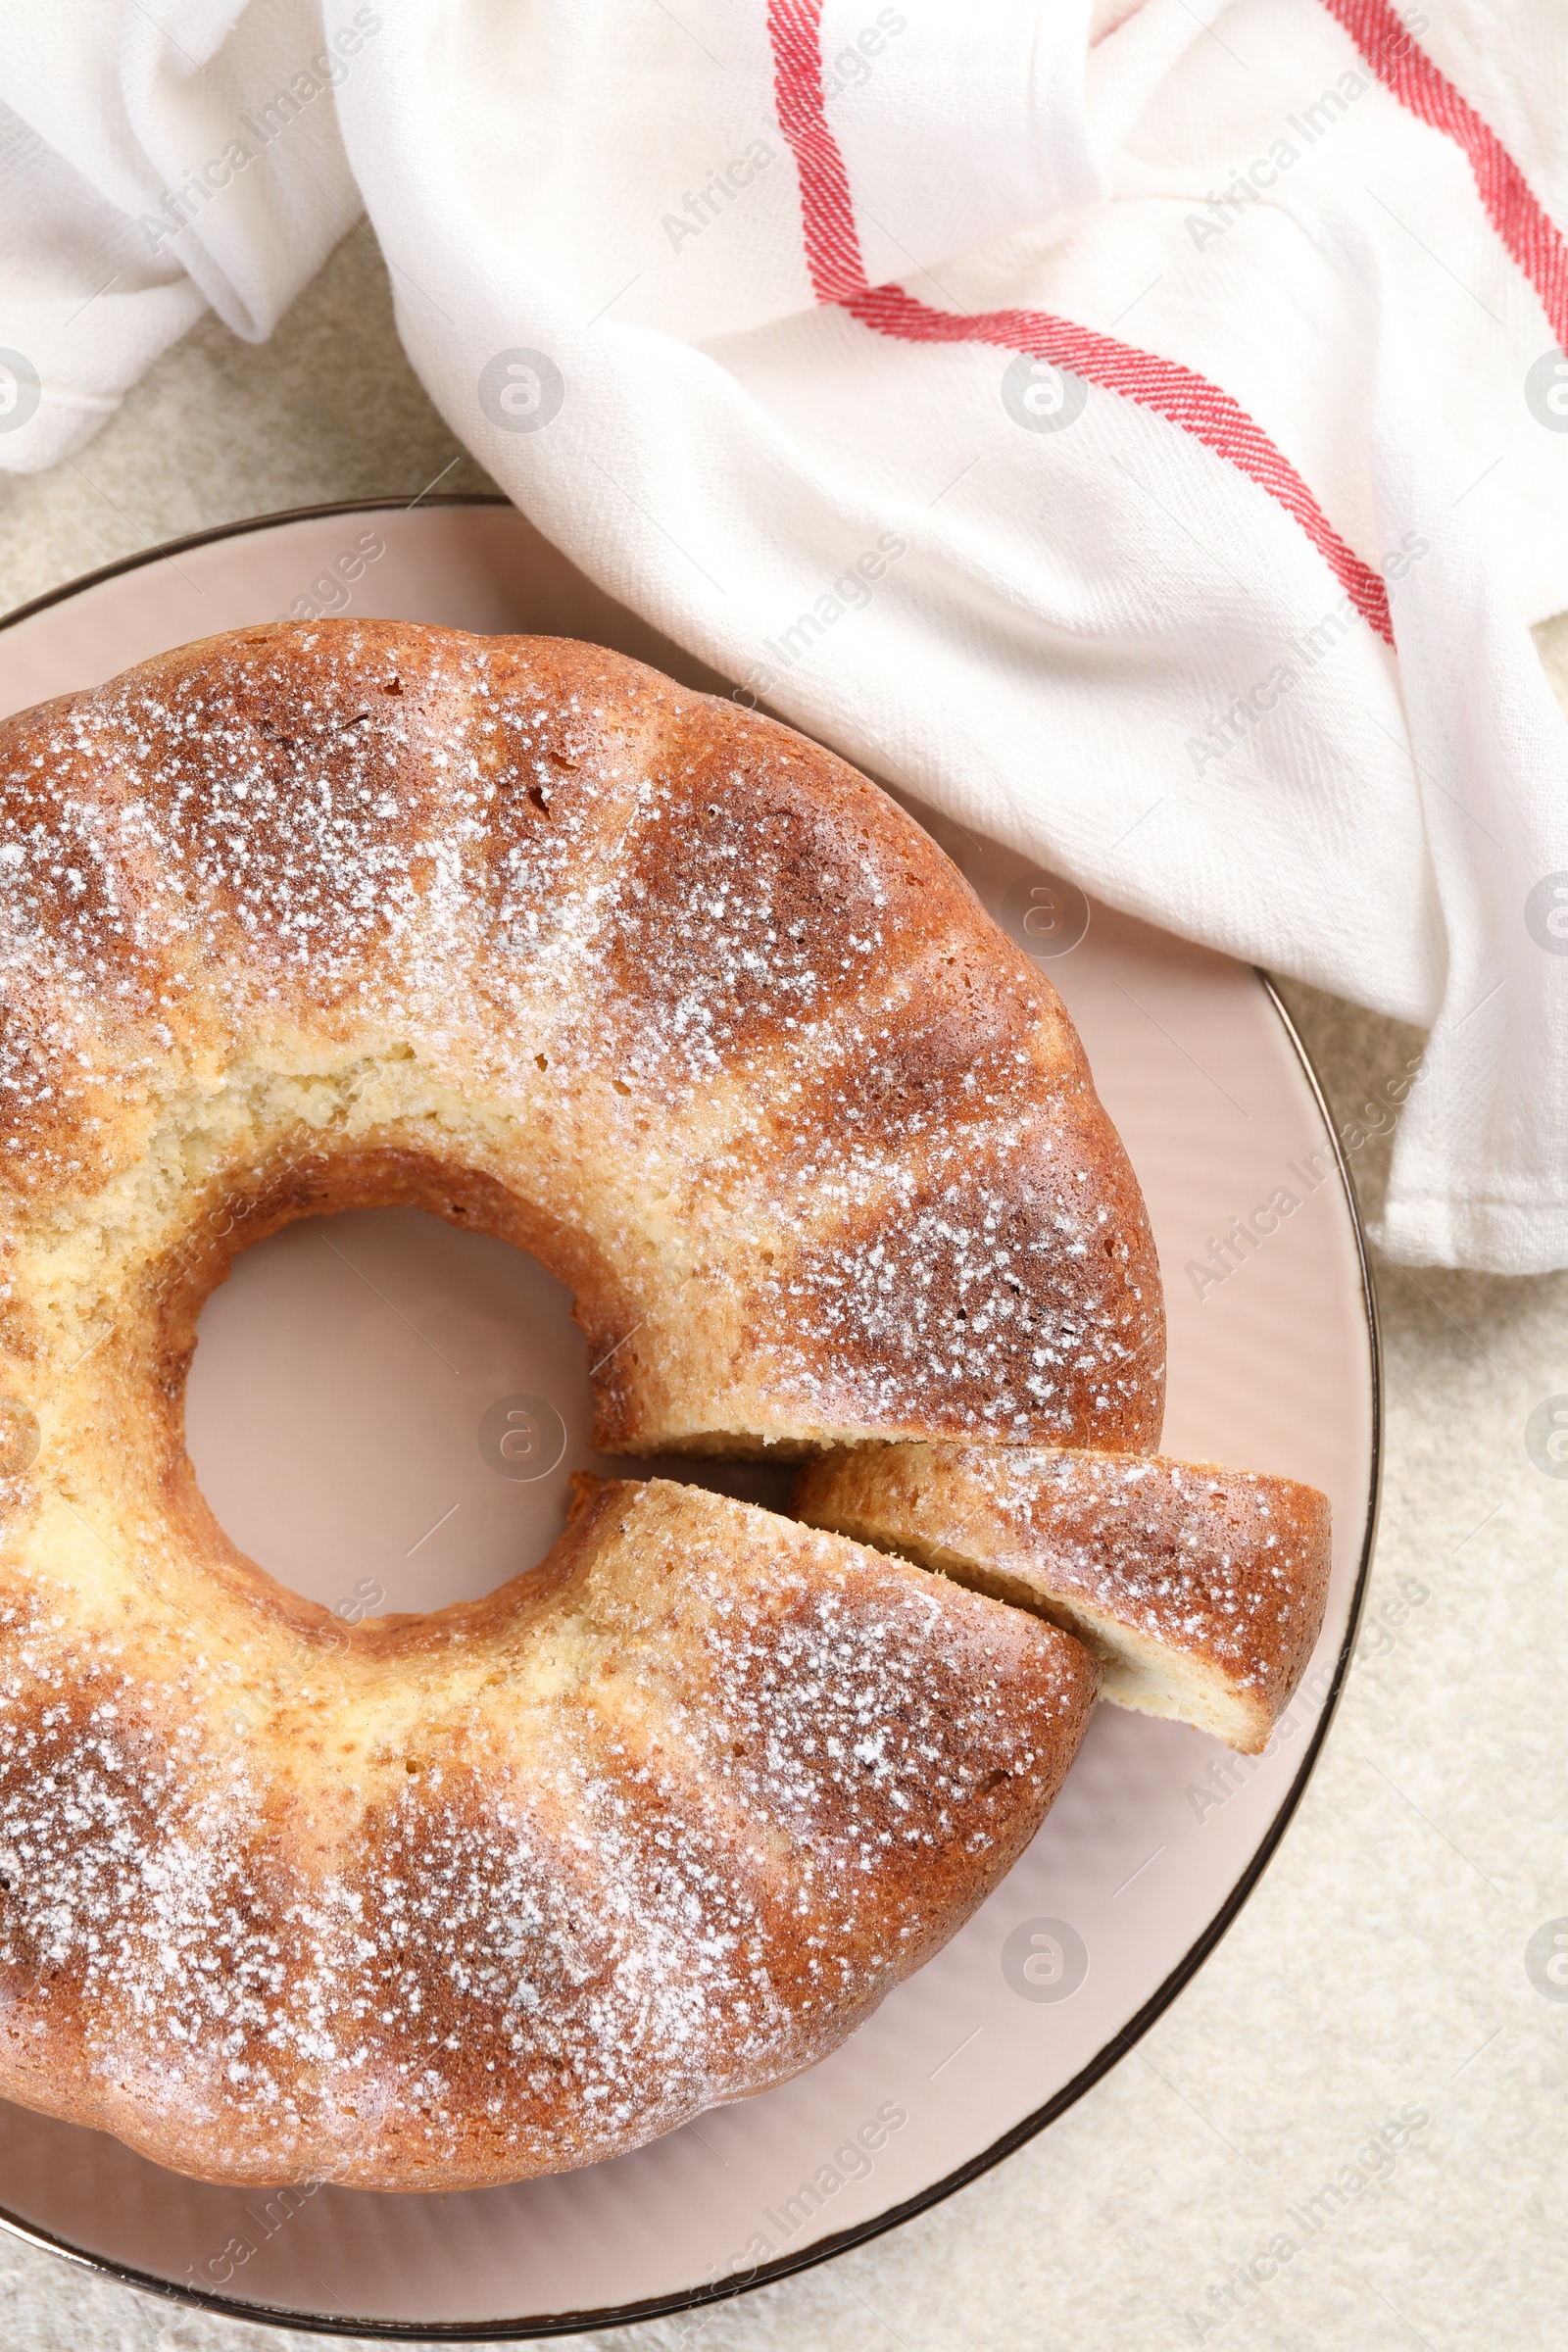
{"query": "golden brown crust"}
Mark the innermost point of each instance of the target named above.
(512, 1887)
(1200, 1588)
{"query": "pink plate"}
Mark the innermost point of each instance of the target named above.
(347, 1412)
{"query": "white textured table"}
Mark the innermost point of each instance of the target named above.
(1227, 2181)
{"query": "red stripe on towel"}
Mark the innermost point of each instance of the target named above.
(1522, 223)
(1179, 394)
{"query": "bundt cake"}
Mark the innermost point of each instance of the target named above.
(515, 930)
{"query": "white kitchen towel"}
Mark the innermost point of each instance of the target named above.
(1142, 431)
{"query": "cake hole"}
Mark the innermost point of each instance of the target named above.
(384, 1413)
(334, 1409)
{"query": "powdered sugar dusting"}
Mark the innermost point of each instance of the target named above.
(564, 890)
(1227, 1563)
(788, 1771)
